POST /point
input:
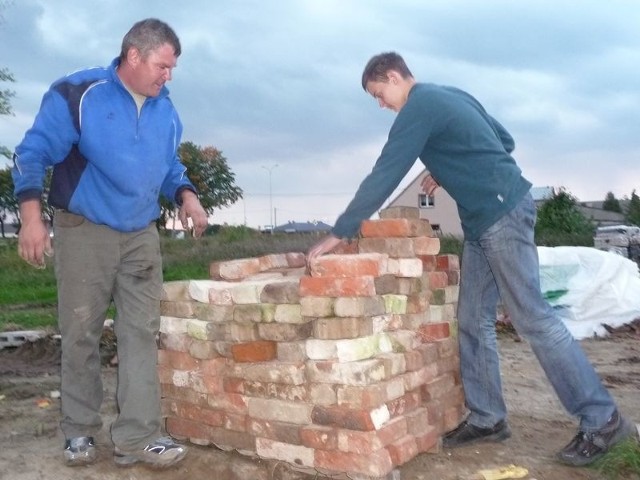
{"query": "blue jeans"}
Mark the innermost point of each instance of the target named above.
(503, 263)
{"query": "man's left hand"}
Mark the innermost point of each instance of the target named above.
(191, 209)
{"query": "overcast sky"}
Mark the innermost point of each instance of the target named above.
(275, 84)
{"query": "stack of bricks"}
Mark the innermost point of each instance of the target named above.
(350, 367)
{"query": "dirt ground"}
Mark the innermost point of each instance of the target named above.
(31, 444)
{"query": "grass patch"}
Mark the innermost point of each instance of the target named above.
(622, 462)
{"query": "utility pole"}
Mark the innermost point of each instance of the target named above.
(269, 169)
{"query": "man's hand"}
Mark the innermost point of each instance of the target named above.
(429, 184)
(325, 245)
(191, 209)
(33, 240)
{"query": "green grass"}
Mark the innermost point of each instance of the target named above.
(622, 462)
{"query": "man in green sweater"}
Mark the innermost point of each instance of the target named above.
(468, 153)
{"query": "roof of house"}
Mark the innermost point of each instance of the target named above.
(303, 227)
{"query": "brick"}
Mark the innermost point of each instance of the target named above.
(404, 267)
(431, 332)
(429, 262)
(176, 291)
(377, 464)
(184, 394)
(394, 247)
(229, 402)
(235, 422)
(214, 418)
(340, 266)
(214, 366)
(268, 390)
(412, 321)
(403, 450)
(365, 372)
(386, 284)
(426, 245)
(405, 404)
(350, 419)
(448, 262)
(427, 440)
(317, 306)
(318, 437)
(293, 454)
(258, 351)
(354, 349)
(395, 227)
(438, 387)
(395, 363)
(287, 373)
(272, 261)
(175, 342)
(177, 360)
(288, 313)
(214, 313)
(334, 328)
(173, 325)
(202, 349)
(414, 380)
(234, 269)
(365, 443)
(337, 287)
(296, 259)
(290, 433)
(438, 279)
(400, 212)
(317, 349)
(291, 352)
(243, 333)
(417, 303)
(395, 303)
(284, 332)
(252, 313)
(178, 309)
(285, 291)
(322, 394)
(359, 306)
(281, 411)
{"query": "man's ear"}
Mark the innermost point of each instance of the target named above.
(133, 56)
(393, 77)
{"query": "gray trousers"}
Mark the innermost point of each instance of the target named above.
(95, 265)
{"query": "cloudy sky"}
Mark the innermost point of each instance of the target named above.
(275, 84)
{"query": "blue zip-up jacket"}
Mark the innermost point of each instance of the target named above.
(109, 164)
(465, 149)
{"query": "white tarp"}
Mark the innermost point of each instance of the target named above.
(589, 288)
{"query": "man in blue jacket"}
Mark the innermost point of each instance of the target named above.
(111, 136)
(468, 153)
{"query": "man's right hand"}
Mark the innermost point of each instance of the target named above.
(33, 240)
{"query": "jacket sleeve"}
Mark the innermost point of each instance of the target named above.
(45, 144)
(406, 141)
(504, 136)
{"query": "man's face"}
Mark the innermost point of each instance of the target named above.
(389, 94)
(151, 73)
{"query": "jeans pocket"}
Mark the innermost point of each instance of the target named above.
(64, 219)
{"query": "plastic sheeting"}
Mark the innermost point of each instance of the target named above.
(590, 288)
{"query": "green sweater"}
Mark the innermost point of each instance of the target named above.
(466, 150)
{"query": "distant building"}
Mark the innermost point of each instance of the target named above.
(442, 213)
(303, 227)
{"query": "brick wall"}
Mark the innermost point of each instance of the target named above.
(351, 367)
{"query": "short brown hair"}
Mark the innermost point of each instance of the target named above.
(147, 35)
(378, 67)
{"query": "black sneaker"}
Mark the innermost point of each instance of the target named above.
(79, 451)
(162, 453)
(586, 448)
(467, 434)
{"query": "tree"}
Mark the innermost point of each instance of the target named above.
(611, 203)
(5, 94)
(8, 202)
(560, 215)
(633, 210)
(209, 172)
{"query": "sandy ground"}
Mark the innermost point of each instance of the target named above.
(31, 444)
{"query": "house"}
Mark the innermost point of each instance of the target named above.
(303, 227)
(442, 213)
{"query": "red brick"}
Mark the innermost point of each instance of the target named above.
(235, 422)
(234, 269)
(351, 419)
(258, 351)
(179, 427)
(413, 360)
(348, 265)
(427, 440)
(214, 367)
(296, 260)
(429, 262)
(175, 341)
(185, 394)
(365, 443)
(405, 404)
(188, 411)
(448, 262)
(274, 430)
(323, 438)
(395, 227)
(377, 464)
(438, 387)
(337, 287)
(394, 247)
(417, 303)
(432, 332)
(403, 450)
(438, 279)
